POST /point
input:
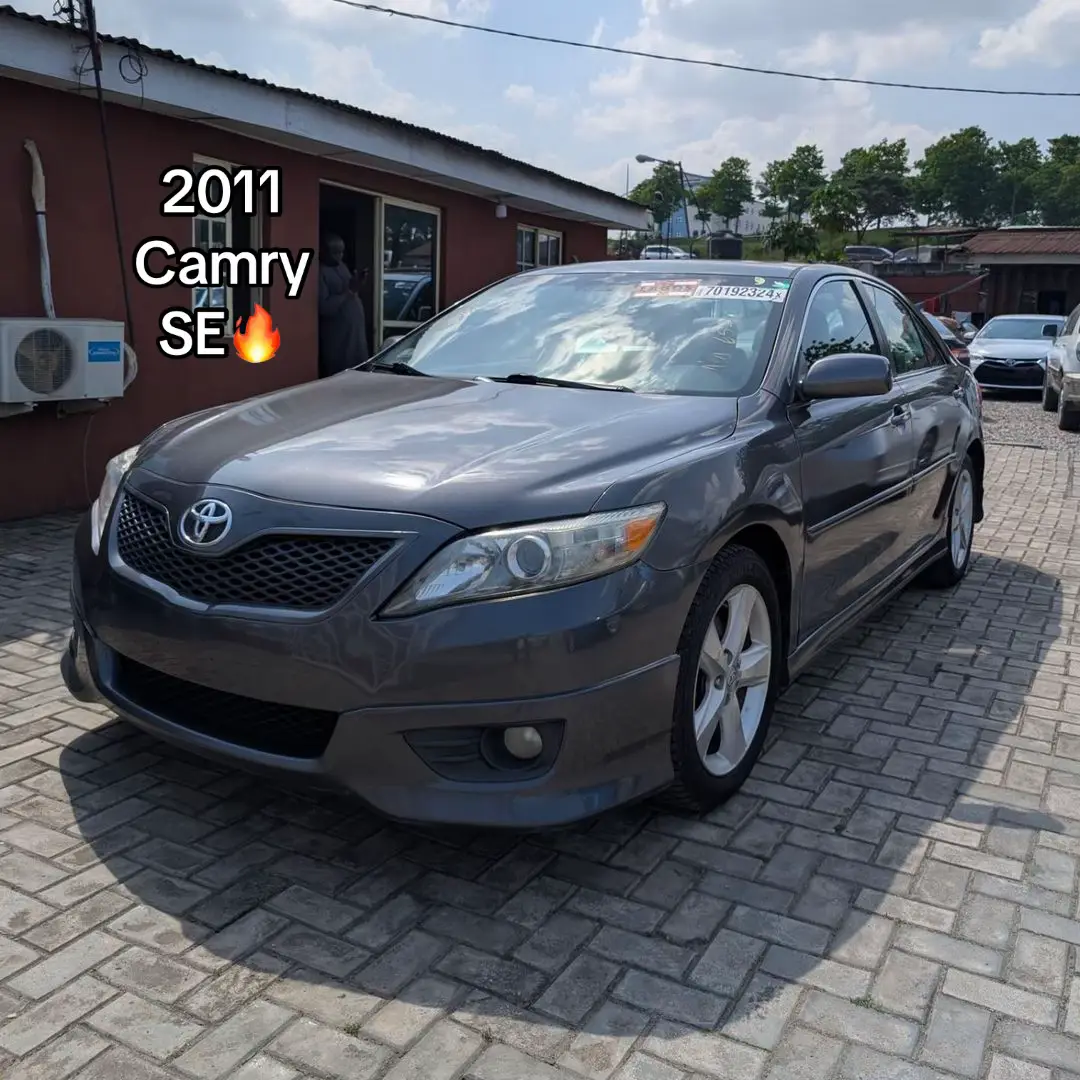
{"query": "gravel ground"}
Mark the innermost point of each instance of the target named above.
(1020, 421)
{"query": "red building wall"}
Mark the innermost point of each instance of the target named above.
(924, 286)
(48, 463)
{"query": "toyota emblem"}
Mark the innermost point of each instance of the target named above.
(206, 522)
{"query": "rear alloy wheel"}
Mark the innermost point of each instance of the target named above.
(1068, 416)
(952, 567)
(730, 651)
(1049, 397)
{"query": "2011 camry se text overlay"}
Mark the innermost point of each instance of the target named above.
(214, 197)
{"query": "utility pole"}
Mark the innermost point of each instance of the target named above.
(74, 12)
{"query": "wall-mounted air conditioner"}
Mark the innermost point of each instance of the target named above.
(60, 360)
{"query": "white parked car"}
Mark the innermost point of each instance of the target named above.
(1010, 351)
(1061, 393)
(663, 251)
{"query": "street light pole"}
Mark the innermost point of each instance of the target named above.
(645, 159)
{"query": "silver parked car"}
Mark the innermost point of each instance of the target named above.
(1009, 352)
(1061, 391)
(664, 251)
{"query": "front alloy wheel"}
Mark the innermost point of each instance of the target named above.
(730, 653)
(951, 568)
(732, 680)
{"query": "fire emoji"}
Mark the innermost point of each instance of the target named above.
(260, 341)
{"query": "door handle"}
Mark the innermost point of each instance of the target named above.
(900, 415)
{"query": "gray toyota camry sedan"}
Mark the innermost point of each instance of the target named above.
(554, 550)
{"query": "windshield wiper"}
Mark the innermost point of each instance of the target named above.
(525, 379)
(396, 367)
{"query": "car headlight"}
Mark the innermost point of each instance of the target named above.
(115, 471)
(529, 558)
(975, 359)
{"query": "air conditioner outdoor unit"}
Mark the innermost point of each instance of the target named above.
(60, 360)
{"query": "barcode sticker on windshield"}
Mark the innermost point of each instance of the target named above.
(667, 288)
(741, 292)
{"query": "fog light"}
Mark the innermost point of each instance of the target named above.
(524, 743)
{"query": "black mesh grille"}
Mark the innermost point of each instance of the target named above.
(1023, 375)
(258, 725)
(305, 572)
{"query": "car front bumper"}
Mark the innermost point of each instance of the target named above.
(407, 714)
(999, 375)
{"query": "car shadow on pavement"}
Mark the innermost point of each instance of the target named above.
(896, 807)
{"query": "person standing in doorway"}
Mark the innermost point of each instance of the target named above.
(342, 322)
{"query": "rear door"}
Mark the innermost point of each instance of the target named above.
(857, 459)
(930, 389)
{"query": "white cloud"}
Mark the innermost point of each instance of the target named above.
(526, 96)
(597, 34)
(331, 12)
(349, 74)
(861, 55)
(702, 115)
(1048, 34)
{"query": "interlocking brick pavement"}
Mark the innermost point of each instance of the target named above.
(894, 895)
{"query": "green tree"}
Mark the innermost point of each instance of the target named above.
(662, 192)
(1018, 168)
(1057, 186)
(792, 181)
(957, 179)
(835, 209)
(729, 190)
(877, 179)
(791, 237)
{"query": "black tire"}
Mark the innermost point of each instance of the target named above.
(1049, 397)
(1068, 418)
(946, 573)
(695, 788)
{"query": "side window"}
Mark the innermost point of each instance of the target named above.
(1072, 323)
(907, 348)
(835, 323)
(935, 355)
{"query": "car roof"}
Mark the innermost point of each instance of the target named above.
(695, 267)
(1030, 318)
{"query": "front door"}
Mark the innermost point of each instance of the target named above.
(931, 387)
(857, 462)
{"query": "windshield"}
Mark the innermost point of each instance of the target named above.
(700, 334)
(1018, 329)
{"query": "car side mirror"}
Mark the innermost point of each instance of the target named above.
(847, 375)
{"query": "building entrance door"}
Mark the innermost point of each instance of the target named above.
(352, 215)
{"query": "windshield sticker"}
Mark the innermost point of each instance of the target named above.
(678, 287)
(741, 292)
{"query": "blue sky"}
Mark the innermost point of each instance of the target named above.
(588, 114)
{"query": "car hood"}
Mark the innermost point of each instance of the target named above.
(1011, 349)
(471, 453)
